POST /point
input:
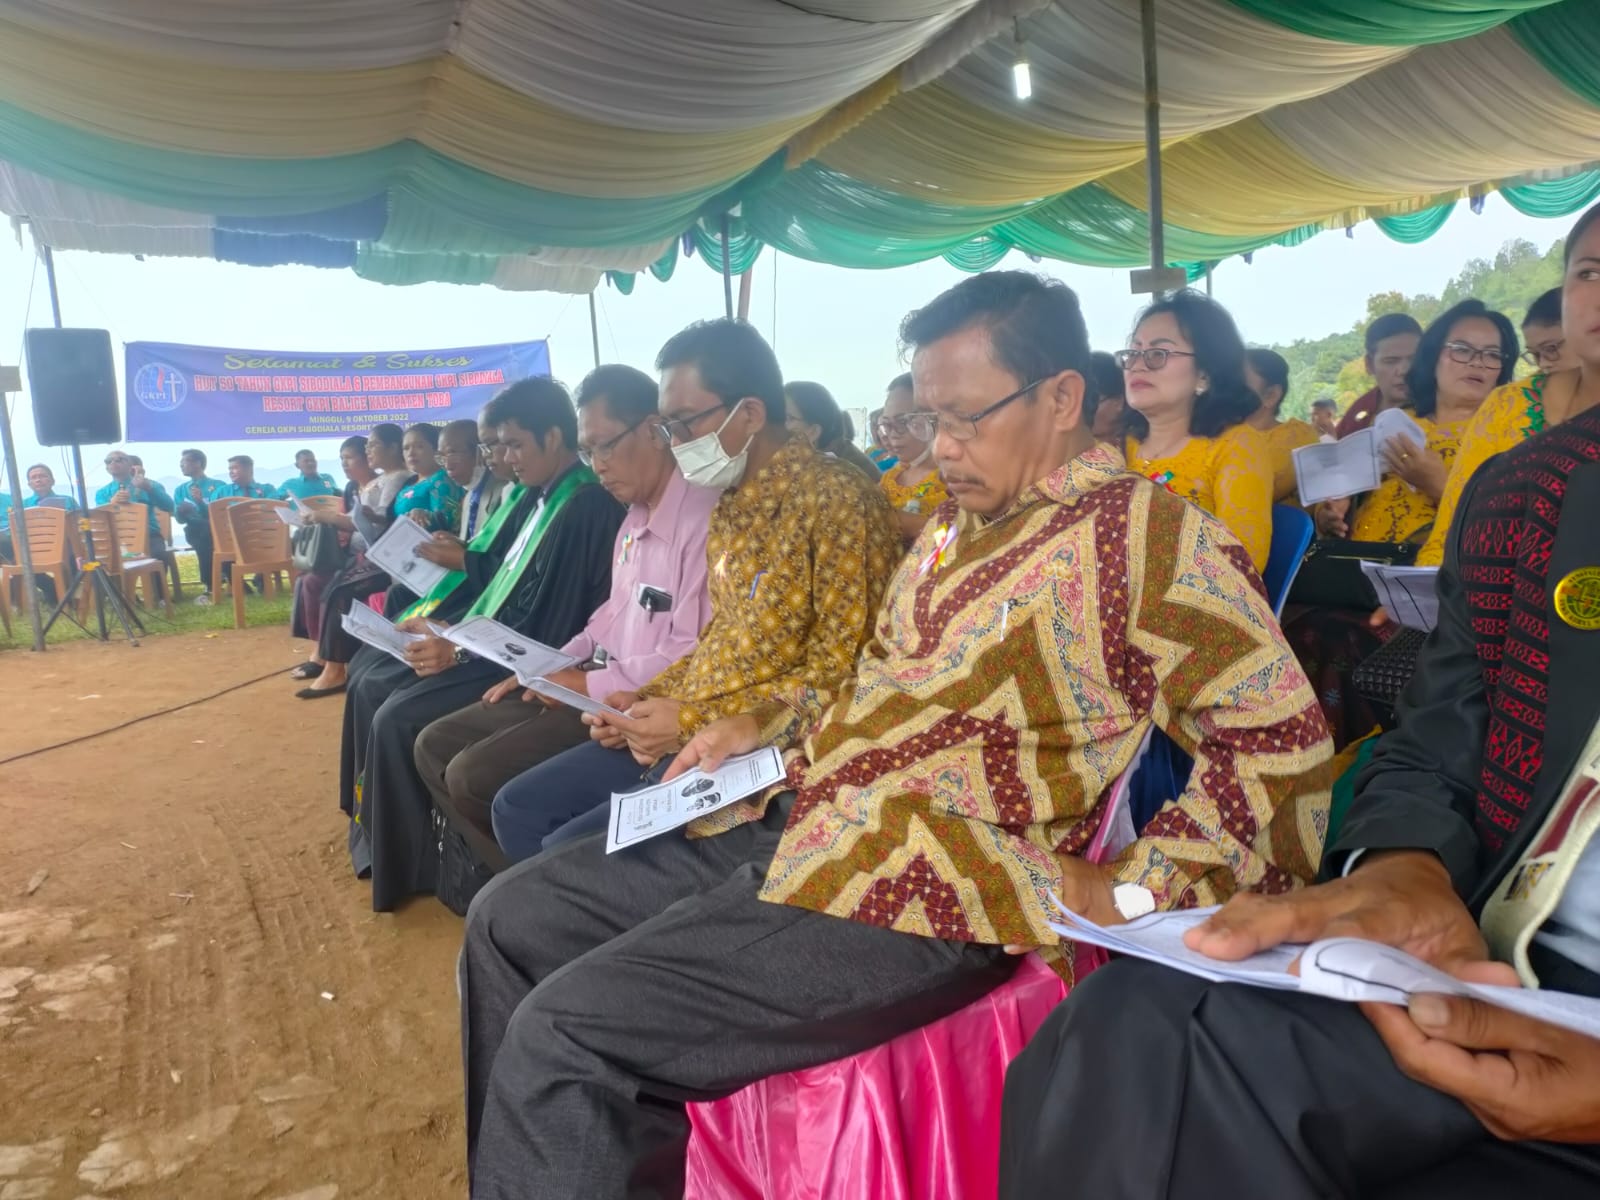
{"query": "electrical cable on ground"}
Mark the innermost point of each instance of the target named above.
(131, 721)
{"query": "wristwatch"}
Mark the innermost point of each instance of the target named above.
(1133, 901)
(462, 655)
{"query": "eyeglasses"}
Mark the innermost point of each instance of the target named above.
(464, 452)
(587, 455)
(925, 426)
(1464, 354)
(682, 428)
(1549, 352)
(1153, 358)
(486, 450)
(902, 424)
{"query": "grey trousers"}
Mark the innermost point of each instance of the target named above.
(466, 757)
(600, 993)
(1148, 1084)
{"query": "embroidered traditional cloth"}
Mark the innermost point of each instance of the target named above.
(1510, 416)
(1229, 476)
(923, 497)
(1505, 551)
(1395, 511)
(797, 557)
(1006, 691)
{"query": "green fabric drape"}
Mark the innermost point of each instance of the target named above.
(1389, 22)
(1555, 197)
(1565, 38)
(1417, 226)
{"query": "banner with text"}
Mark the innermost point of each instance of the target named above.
(212, 394)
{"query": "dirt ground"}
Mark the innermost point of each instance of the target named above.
(197, 1002)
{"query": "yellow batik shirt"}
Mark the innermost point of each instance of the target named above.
(1014, 672)
(1396, 511)
(1510, 416)
(797, 559)
(1283, 439)
(1230, 476)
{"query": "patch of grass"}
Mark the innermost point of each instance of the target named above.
(186, 617)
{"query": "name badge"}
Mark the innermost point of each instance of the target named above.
(1577, 598)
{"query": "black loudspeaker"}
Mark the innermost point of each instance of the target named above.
(73, 379)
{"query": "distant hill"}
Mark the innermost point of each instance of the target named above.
(1334, 365)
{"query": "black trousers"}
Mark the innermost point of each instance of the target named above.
(1149, 1084)
(601, 992)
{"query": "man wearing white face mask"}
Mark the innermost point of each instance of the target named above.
(799, 550)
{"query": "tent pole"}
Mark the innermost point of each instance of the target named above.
(594, 329)
(744, 293)
(1152, 136)
(727, 272)
(18, 515)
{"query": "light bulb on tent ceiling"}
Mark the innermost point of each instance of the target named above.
(1021, 75)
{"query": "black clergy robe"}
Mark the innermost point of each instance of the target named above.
(387, 705)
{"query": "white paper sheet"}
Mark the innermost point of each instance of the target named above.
(1334, 470)
(1338, 968)
(523, 656)
(396, 553)
(572, 699)
(641, 815)
(367, 626)
(1409, 594)
(291, 517)
(1396, 422)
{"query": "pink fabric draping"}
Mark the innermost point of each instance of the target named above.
(917, 1118)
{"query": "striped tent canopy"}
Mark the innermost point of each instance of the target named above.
(539, 143)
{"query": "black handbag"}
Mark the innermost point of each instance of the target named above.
(461, 873)
(1383, 675)
(1330, 575)
(315, 549)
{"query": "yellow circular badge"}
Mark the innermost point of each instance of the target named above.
(1578, 598)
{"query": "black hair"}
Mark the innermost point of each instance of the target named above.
(630, 395)
(817, 407)
(197, 455)
(428, 433)
(135, 460)
(1273, 369)
(1106, 377)
(1034, 323)
(1546, 310)
(1325, 402)
(356, 443)
(1390, 325)
(1422, 381)
(298, 453)
(39, 467)
(538, 405)
(734, 362)
(1218, 355)
(244, 460)
(902, 380)
(388, 434)
(1578, 231)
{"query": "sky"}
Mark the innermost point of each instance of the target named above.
(829, 324)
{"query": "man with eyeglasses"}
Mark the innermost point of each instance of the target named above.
(937, 794)
(800, 548)
(660, 551)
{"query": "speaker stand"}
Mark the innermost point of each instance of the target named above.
(93, 576)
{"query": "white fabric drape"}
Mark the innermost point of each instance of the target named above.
(1218, 64)
(692, 65)
(293, 35)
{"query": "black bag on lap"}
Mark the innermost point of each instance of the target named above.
(1330, 575)
(315, 550)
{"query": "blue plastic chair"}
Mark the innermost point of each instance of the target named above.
(1292, 531)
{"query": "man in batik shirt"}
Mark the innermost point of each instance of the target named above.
(1046, 619)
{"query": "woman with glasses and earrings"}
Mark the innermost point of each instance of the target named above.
(1187, 403)
(1559, 326)
(811, 412)
(1466, 353)
(913, 485)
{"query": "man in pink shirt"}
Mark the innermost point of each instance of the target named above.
(657, 607)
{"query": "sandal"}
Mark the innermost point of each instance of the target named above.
(318, 693)
(306, 670)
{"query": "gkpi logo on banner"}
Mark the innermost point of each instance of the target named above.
(159, 387)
